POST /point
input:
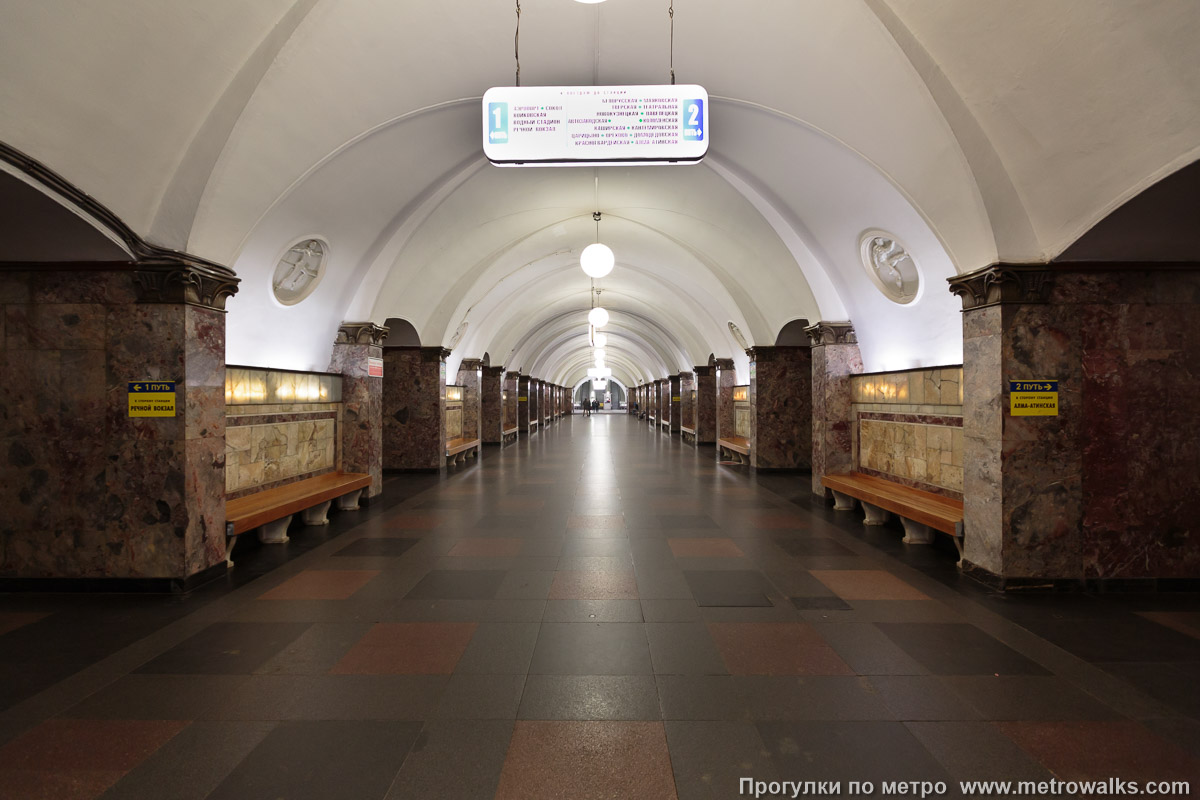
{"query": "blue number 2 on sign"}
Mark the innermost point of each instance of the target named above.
(693, 120)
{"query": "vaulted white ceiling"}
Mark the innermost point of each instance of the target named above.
(974, 131)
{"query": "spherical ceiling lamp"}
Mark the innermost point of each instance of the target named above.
(599, 340)
(598, 317)
(598, 353)
(597, 260)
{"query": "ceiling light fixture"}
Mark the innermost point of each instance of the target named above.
(599, 340)
(597, 317)
(597, 259)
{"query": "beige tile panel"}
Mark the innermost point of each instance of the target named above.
(929, 454)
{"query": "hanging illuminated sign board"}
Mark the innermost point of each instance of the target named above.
(581, 125)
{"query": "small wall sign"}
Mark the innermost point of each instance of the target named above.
(374, 367)
(152, 399)
(1033, 398)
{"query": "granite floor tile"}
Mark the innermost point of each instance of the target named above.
(526, 584)
(593, 611)
(1081, 751)
(710, 758)
(614, 548)
(775, 648)
(591, 585)
(1027, 697)
(407, 648)
(300, 760)
(226, 648)
(819, 697)
(321, 585)
(608, 648)
(590, 697)
(11, 620)
(492, 547)
(316, 650)
(729, 587)
(865, 750)
(977, 751)
(700, 697)
(683, 648)
(663, 584)
(414, 522)
(174, 772)
(454, 760)
(957, 649)
(366, 697)
(669, 610)
(556, 759)
(867, 584)
(602, 521)
(479, 697)
(704, 548)
(922, 697)
(444, 584)
(378, 546)
(812, 546)
(157, 697)
(499, 648)
(868, 650)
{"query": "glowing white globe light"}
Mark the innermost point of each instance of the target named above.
(598, 317)
(598, 352)
(599, 340)
(599, 361)
(597, 260)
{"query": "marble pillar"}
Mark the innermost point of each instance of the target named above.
(89, 492)
(414, 408)
(726, 379)
(780, 407)
(687, 405)
(706, 404)
(470, 377)
(512, 408)
(491, 405)
(1108, 488)
(547, 416)
(525, 405)
(674, 399)
(357, 345)
(835, 357)
(535, 404)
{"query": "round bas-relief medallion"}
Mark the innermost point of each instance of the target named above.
(890, 267)
(299, 271)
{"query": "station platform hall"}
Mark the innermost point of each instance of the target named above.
(599, 399)
(600, 612)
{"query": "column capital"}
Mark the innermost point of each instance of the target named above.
(723, 363)
(181, 280)
(431, 354)
(1002, 284)
(772, 352)
(498, 371)
(471, 363)
(824, 332)
(361, 333)
(703, 371)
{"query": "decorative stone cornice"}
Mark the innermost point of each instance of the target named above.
(494, 370)
(361, 333)
(831, 333)
(183, 280)
(723, 363)
(1002, 284)
(471, 363)
(704, 371)
(431, 354)
(512, 375)
(765, 353)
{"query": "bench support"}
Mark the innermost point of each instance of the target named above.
(349, 502)
(842, 502)
(275, 532)
(875, 514)
(916, 533)
(230, 541)
(317, 515)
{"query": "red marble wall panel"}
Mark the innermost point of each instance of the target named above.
(780, 407)
(414, 408)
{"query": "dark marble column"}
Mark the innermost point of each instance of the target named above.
(726, 379)
(470, 377)
(780, 407)
(535, 403)
(356, 346)
(687, 405)
(512, 409)
(491, 405)
(1107, 489)
(87, 491)
(547, 415)
(525, 405)
(706, 404)
(835, 357)
(414, 408)
(674, 399)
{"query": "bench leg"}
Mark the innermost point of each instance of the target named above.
(317, 515)
(875, 514)
(349, 502)
(229, 543)
(916, 533)
(842, 502)
(275, 532)
(958, 545)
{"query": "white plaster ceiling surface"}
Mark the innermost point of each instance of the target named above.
(970, 130)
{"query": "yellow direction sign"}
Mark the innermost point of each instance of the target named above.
(1033, 398)
(152, 399)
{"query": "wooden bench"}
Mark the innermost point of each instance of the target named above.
(686, 433)
(508, 435)
(459, 450)
(272, 509)
(735, 447)
(921, 512)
